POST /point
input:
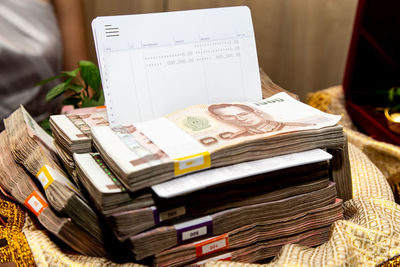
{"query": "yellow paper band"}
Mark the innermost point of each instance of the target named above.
(192, 163)
(44, 177)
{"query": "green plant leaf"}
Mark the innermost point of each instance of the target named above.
(72, 73)
(101, 98)
(397, 91)
(391, 94)
(75, 87)
(91, 102)
(91, 75)
(88, 102)
(45, 124)
(50, 79)
(58, 89)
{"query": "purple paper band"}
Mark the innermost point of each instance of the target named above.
(156, 216)
(190, 230)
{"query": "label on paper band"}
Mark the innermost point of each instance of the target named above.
(193, 229)
(212, 245)
(48, 174)
(35, 203)
(44, 177)
(168, 214)
(222, 257)
(187, 153)
(192, 163)
(173, 213)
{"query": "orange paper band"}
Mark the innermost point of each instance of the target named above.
(212, 245)
(35, 203)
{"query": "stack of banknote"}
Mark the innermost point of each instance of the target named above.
(106, 192)
(267, 236)
(253, 217)
(156, 240)
(72, 133)
(233, 180)
(17, 182)
(199, 174)
(210, 136)
(264, 250)
(236, 185)
(249, 218)
(72, 130)
(33, 148)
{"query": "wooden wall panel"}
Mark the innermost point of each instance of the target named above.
(302, 44)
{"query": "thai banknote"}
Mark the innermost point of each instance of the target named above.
(75, 125)
(206, 136)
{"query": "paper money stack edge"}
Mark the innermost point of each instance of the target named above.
(236, 182)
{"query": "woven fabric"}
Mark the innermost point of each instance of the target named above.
(48, 253)
(385, 156)
(331, 100)
(369, 236)
(13, 244)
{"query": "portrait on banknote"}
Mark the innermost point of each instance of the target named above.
(249, 120)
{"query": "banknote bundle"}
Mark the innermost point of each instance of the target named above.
(131, 213)
(269, 248)
(204, 136)
(156, 240)
(106, 192)
(33, 148)
(165, 185)
(71, 132)
(255, 236)
(237, 201)
(17, 182)
(145, 167)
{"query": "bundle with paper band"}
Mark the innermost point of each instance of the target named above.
(33, 148)
(237, 185)
(269, 248)
(251, 234)
(46, 176)
(161, 238)
(134, 221)
(17, 182)
(72, 130)
(145, 154)
(72, 133)
(35, 203)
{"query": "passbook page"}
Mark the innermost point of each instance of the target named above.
(154, 64)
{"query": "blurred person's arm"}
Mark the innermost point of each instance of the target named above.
(70, 14)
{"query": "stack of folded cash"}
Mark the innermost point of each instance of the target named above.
(72, 132)
(296, 203)
(235, 180)
(204, 136)
(236, 185)
(33, 149)
(17, 182)
(222, 181)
